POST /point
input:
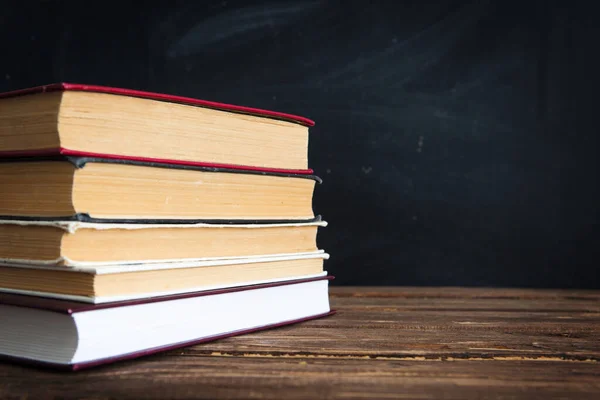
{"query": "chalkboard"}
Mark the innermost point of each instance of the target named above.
(457, 141)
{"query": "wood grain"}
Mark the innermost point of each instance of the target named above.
(383, 343)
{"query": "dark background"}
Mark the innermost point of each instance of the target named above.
(457, 140)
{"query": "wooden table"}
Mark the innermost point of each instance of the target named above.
(424, 343)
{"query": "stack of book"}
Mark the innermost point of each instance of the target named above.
(135, 222)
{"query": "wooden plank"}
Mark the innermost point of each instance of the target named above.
(463, 292)
(177, 377)
(390, 324)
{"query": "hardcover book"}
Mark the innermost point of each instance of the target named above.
(108, 283)
(79, 244)
(101, 189)
(70, 335)
(88, 120)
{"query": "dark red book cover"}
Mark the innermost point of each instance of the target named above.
(71, 307)
(55, 87)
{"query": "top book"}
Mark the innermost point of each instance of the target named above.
(87, 120)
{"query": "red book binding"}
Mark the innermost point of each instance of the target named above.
(55, 87)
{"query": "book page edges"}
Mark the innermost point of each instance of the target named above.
(97, 268)
(73, 226)
(258, 112)
(110, 299)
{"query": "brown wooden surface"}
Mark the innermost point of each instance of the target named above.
(424, 343)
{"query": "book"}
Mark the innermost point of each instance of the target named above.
(107, 283)
(100, 189)
(71, 335)
(75, 243)
(89, 120)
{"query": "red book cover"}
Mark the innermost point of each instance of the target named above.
(152, 96)
(71, 307)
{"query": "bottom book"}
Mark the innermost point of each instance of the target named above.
(71, 335)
